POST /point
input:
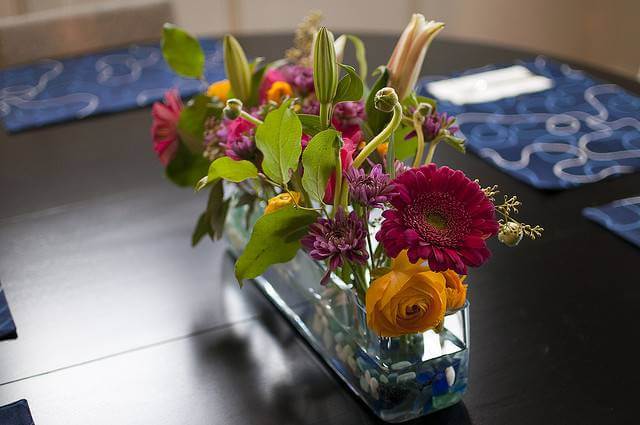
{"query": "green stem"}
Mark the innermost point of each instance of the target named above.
(325, 115)
(391, 157)
(420, 151)
(337, 189)
(381, 137)
(344, 197)
(360, 282)
(369, 244)
(247, 116)
(432, 150)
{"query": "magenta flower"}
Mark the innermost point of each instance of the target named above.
(238, 139)
(338, 239)
(433, 124)
(347, 117)
(436, 122)
(164, 129)
(310, 105)
(440, 216)
(372, 190)
(299, 77)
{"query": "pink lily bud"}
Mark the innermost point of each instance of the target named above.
(406, 61)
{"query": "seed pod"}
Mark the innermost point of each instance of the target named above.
(385, 99)
(510, 233)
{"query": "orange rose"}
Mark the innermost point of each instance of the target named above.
(279, 90)
(408, 299)
(456, 291)
(281, 201)
(220, 90)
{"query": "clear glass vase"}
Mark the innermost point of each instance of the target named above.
(397, 378)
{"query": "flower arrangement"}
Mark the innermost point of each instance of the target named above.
(343, 171)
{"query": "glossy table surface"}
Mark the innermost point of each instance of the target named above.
(120, 321)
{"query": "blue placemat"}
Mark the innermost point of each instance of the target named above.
(621, 217)
(580, 131)
(16, 413)
(7, 327)
(52, 91)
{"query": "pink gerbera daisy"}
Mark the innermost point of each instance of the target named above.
(164, 129)
(440, 216)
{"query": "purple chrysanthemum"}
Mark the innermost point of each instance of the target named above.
(436, 122)
(372, 190)
(338, 239)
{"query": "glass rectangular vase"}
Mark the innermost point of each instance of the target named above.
(397, 378)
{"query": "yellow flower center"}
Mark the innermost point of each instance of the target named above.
(437, 221)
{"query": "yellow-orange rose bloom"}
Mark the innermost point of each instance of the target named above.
(281, 201)
(220, 90)
(408, 299)
(456, 290)
(278, 90)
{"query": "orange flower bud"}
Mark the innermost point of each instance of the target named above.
(281, 201)
(278, 91)
(219, 89)
(456, 291)
(382, 149)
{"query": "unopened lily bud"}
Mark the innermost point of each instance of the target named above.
(237, 68)
(385, 99)
(233, 109)
(325, 67)
(510, 233)
(406, 61)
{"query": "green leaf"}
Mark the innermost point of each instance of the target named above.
(212, 221)
(319, 160)
(275, 239)
(310, 124)
(361, 55)
(202, 229)
(350, 87)
(405, 148)
(377, 119)
(186, 168)
(228, 169)
(413, 100)
(257, 72)
(182, 52)
(217, 208)
(192, 121)
(456, 142)
(278, 138)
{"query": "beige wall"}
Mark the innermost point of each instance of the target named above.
(604, 33)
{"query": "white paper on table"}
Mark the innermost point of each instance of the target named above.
(489, 86)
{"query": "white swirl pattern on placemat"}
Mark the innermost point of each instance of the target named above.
(52, 91)
(558, 127)
(23, 96)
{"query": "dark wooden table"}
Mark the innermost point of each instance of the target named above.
(121, 322)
